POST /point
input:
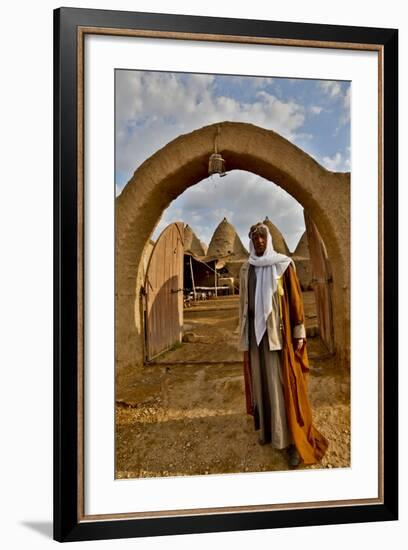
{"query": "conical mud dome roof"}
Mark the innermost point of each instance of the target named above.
(192, 245)
(302, 249)
(278, 241)
(204, 246)
(226, 242)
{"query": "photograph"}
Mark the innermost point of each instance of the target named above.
(232, 271)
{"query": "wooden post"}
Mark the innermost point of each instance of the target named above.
(192, 279)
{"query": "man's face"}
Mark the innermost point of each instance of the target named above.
(259, 242)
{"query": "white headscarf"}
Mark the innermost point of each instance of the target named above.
(268, 268)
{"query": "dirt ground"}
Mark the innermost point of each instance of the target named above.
(185, 415)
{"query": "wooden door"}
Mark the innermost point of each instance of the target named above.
(322, 282)
(163, 289)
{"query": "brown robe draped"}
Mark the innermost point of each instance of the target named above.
(310, 443)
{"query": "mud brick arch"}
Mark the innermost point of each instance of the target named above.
(184, 162)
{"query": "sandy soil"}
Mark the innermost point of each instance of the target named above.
(185, 415)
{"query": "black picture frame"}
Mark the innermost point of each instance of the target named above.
(69, 523)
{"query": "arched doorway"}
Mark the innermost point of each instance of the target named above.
(183, 162)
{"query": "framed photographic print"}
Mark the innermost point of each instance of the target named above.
(225, 237)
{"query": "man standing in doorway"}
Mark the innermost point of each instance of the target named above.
(273, 337)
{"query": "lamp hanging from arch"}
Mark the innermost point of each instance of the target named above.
(216, 164)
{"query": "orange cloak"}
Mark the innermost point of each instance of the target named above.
(310, 443)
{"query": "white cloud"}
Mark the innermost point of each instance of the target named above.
(332, 163)
(255, 82)
(262, 82)
(341, 95)
(154, 108)
(345, 116)
(347, 97)
(331, 87)
(316, 109)
(337, 163)
(244, 199)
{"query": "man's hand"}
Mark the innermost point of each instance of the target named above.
(298, 344)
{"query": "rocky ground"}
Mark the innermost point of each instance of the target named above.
(185, 415)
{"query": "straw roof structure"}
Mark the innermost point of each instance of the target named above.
(278, 240)
(204, 246)
(302, 249)
(225, 243)
(192, 244)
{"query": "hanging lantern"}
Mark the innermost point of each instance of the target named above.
(216, 164)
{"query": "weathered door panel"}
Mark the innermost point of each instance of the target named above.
(322, 282)
(163, 292)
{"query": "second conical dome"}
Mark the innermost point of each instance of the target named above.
(278, 240)
(225, 242)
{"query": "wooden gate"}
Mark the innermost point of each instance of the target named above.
(163, 290)
(322, 282)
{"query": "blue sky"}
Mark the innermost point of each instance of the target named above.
(152, 108)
